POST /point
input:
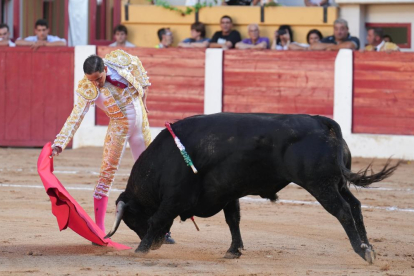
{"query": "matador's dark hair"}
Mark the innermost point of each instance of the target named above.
(93, 64)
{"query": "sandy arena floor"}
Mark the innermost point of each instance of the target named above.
(292, 237)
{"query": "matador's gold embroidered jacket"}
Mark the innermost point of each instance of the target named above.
(127, 66)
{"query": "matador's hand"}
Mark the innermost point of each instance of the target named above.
(55, 151)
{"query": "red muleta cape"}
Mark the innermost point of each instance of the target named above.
(67, 211)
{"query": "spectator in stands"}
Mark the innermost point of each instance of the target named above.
(255, 41)
(313, 36)
(121, 34)
(198, 37)
(5, 36)
(283, 38)
(226, 38)
(317, 3)
(340, 40)
(166, 38)
(387, 38)
(239, 2)
(376, 42)
(42, 37)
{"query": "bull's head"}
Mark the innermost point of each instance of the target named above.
(132, 213)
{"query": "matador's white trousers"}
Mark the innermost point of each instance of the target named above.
(120, 131)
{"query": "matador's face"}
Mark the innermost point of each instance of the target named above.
(97, 78)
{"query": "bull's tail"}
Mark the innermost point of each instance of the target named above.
(364, 177)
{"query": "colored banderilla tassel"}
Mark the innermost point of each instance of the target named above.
(180, 146)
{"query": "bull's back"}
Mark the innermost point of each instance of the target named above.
(212, 139)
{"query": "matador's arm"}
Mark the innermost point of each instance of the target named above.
(87, 94)
(72, 123)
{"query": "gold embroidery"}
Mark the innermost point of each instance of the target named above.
(114, 146)
(119, 57)
(87, 90)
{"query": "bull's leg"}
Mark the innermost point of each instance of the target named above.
(355, 205)
(157, 223)
(356, 212)
(232, 214)
(330, 198)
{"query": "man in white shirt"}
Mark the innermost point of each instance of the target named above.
(317, 3)
(5, 36)
(42, 37)
(120, 35)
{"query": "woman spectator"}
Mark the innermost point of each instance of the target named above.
(197, 40)
(283, 38)
(313, 36)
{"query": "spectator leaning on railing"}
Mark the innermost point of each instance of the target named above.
(226, 38)
(166, 38)
(283, 38)
(198, 37)
(42, 37)
(5, 36)
(255, 41)
(340, 40)
(313, 36)
(121, 36)
(376, 42)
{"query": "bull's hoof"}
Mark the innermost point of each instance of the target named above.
(140, 252)
(156, 245)
(370, 254)
(232, 255)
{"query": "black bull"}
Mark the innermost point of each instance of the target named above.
(238, 155)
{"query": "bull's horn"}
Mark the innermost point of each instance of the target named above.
(120, 207)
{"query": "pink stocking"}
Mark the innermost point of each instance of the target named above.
(100, 211)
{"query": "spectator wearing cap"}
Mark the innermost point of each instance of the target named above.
(166, 38)
(255, 41)
(341, 39)
(121, 35)
(5, 36)
(376, 42)
(227, 37)
(198, 37)
(42, 37)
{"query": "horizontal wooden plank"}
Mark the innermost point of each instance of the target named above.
(273, 80)
(277, 90)
(184, 98)
(390, 76)
(384, 57)
(269, 65)
(282, 55)
(176, 106)
(282, 109)
(157, 53)
(382, 125)
(393, 111)
(379, 65)
(384, 84)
